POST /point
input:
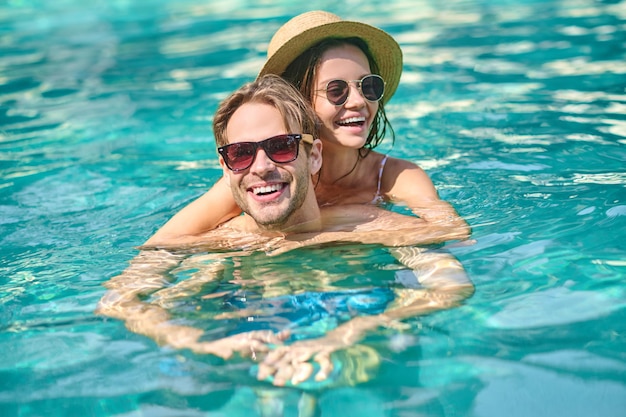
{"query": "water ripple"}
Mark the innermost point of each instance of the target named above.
(514, 108)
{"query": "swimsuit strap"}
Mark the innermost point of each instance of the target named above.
(378, 198)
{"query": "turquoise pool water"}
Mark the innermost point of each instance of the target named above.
(517, 110)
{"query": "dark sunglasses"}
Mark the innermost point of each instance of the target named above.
(280, 149)
(372, 87)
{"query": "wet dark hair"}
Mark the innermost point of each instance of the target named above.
(303, 70)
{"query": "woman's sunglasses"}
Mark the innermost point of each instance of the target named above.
(372, 87)
(280, 149)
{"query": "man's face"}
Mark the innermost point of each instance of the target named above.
(271, 193)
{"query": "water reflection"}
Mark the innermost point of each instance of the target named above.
(516, 109)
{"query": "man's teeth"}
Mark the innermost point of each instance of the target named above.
(267, 189)
(352, 120)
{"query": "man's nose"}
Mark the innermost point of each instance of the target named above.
(262, 163)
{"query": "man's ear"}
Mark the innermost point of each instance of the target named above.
(315, 157)
(225, 171)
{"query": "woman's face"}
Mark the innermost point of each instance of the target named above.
(347, 125)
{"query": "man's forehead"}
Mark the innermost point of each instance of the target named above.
(254, 121)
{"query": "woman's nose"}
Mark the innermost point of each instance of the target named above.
(355, 98)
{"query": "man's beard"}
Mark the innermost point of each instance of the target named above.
(276, 219)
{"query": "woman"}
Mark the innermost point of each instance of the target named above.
(348, 70)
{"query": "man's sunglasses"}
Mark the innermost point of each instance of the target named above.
(281, 149)
(372, 87)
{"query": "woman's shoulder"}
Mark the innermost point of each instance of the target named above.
(400, 163)
(377, 159)
(391, 167)
(401, 176)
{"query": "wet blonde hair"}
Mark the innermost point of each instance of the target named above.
(273, 90)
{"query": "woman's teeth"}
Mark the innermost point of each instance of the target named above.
(351, 121)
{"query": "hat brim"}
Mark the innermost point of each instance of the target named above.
(382, 46)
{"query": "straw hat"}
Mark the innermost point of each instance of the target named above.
(305, 30)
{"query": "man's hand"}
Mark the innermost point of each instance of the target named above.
(293, 363)
(249, 344)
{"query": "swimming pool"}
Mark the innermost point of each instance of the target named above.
(517, 110)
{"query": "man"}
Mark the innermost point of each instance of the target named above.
(267, 141)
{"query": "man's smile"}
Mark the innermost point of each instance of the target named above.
(267, 189)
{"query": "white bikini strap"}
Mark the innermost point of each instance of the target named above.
(380, 174)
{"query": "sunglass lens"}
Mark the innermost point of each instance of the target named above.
(240, 155)
(337, 92)
(373, 87)
(282, 149)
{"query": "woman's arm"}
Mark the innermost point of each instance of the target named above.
(213, 208)
(367, 224)
(405, 182)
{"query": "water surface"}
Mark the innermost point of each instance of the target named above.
(516, 109)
